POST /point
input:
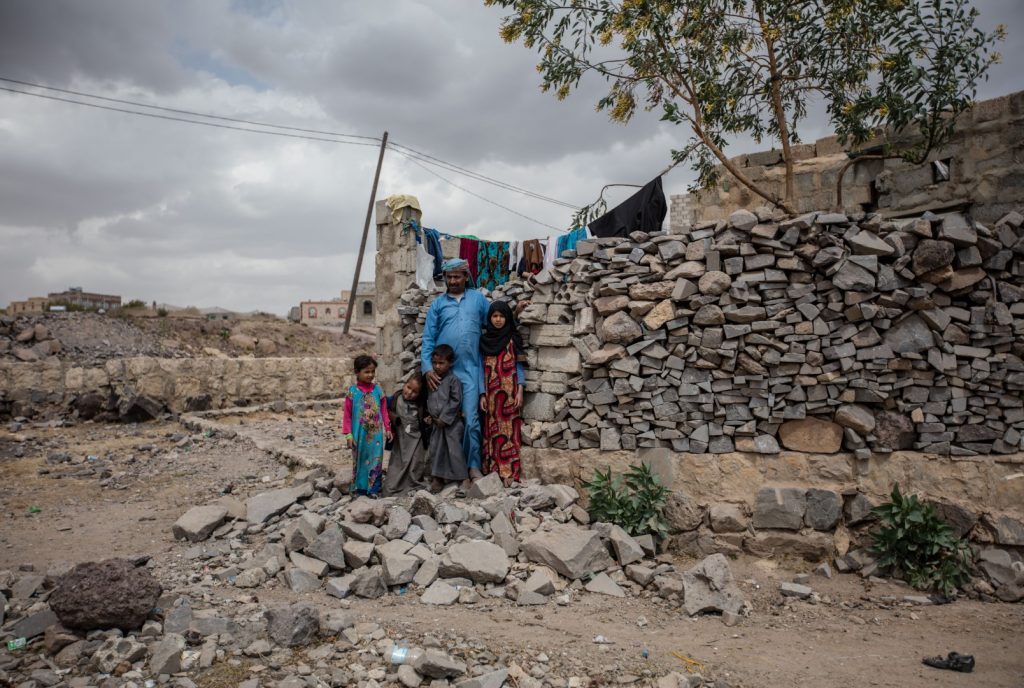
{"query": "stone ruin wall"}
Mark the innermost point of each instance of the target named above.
(143, 387)
(815, 334)
(799, 366)
(985, 156)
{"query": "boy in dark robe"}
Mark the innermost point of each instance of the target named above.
(444, 404)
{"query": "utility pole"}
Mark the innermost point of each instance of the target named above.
(366, 230)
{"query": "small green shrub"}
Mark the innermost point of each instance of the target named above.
(918, 546)
(161, 312)
(135, 303)
(635, 502)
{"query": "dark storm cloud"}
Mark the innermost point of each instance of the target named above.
(191, 215)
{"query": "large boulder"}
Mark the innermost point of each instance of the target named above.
(265, 505)
(479, 561)
(108, 594)
(811, 435)
(572, 552)
(709, 587)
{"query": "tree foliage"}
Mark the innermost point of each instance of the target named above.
(727, 68)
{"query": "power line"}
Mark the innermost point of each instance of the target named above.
(424, 157)
(414, 161)
(431, 160)
(418, 158)
(187, 112)
(190, 121)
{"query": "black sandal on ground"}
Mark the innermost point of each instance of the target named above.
(954, 661)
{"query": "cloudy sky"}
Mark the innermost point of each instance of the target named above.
(193, 215)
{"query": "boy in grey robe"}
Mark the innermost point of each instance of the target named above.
(447, 459)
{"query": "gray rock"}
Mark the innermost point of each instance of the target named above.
(481, 562)
(369, 582)
(856, 417)
(438, 664)
(857, 509)
(909, 335)
(363, 532)
(603, 585)
(339, 586)
(727, 518)
(300, 580)
(709, 587)
(714, 283)
(541, 581)
(260, 508)
(399, 568)
(796, 590)
(488, 486)
(823, 509)
(743, 220)
(780, 507)
(761, 444)
(627, 550)
(357, 553)
(398, 523)
(571, 552)
(34, 624)
(931, 255)
(619, 328)
(251, 578)
(427, 572)
(196, 524)
(852, 277)
(408, 677)
(328, 546)
(309, 564)
(166, 655)
(292, 626)
(423, 504)
(536, 497)
(493, 679)
(439, 593)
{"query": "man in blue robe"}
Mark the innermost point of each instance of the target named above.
(457, 318)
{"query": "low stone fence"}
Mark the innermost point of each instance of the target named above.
(137, 388)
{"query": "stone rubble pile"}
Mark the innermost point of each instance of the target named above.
(26, 342)
(816, 333)
(531, 545)
(111, 623)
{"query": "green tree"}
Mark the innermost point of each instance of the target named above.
(727, 68)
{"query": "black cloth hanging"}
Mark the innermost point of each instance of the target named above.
(645, 211)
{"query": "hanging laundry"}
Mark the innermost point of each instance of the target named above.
(492, 264)
(533, 256)
(550, 252)
(645, 211)
(515, 256)
(468, 249)
(399, 201)
(432, 242)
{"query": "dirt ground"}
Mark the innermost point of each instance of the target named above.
(140, 478)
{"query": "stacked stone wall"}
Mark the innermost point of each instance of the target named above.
(171, 385)
(816, 334)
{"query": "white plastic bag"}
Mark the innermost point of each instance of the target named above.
(424, 269)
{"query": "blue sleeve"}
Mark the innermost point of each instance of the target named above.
(520, 373)
(429, 338)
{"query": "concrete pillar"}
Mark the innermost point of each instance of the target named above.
(395, 272)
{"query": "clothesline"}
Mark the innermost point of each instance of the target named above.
(492, 263)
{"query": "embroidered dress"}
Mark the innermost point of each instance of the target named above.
(502, 423)
(366, 417)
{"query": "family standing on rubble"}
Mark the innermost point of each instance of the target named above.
(456, 420)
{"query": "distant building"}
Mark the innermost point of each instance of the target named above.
(33, 304)
(322, 312)
(332, 312)
(74, 296)
(365, 312)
